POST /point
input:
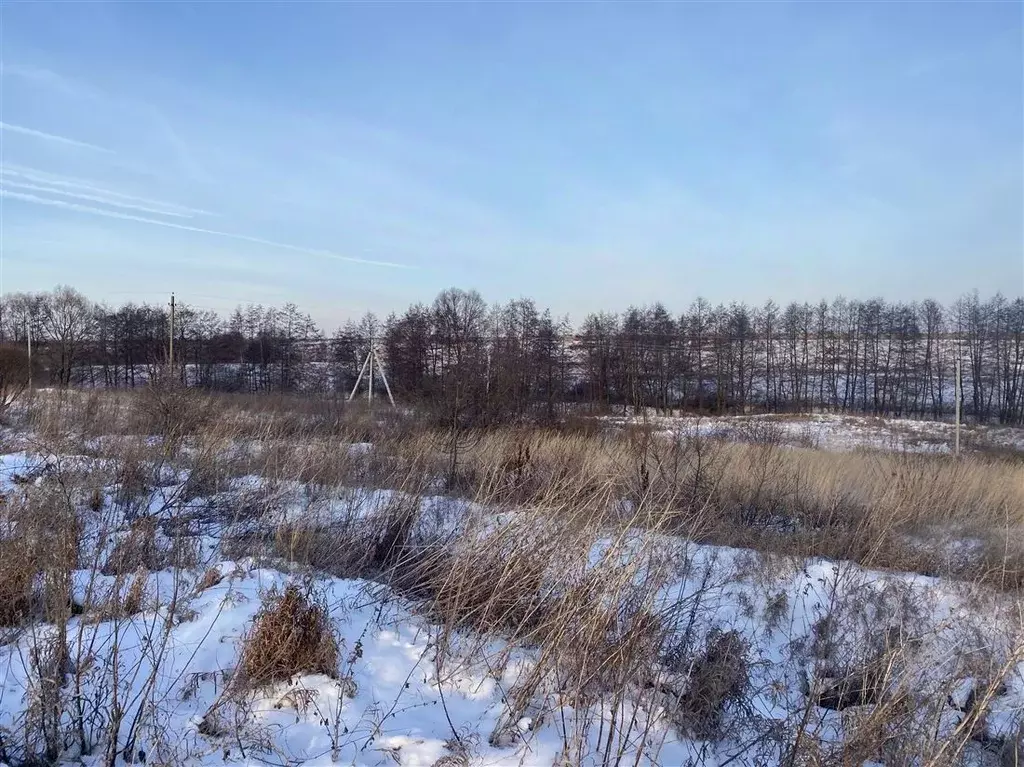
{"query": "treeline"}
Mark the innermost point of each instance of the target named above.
(487, 363)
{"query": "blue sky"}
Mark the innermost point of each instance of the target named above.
(363, 156)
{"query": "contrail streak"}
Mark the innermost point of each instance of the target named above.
(90, 197)
(185, 228)
(52, 137)
(42, 177)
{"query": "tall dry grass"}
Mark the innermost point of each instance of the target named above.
(560, 541)
(913, 512)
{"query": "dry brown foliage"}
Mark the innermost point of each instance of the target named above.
(718, 676)
(17, 573)
(211, 577)
(291, 635)
(138, 548)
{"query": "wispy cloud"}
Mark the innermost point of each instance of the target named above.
(493, 196)
(36, 200)
(53, 137)
(184, 153)
(88, 188)
(46, 78)
(17, 184)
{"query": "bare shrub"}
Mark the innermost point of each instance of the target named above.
(394, 540)
(181, 553)
(172, 412)
(37, 556)
(17, 573)
(874, 733)
(137, 548)
(292, 634)
(775, 610)
(133, 482)
(211, 577)
(718, 677)
(202, 482)
(14, 375)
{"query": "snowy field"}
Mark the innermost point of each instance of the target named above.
(841, 432)
(393, 703)
(814, 646)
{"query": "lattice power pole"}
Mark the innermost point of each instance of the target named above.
(368, 363)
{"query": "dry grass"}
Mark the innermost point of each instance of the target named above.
(17, 573)
(929, 514)
(291, 635)
(532, 578)
(557, 554)
(718, 676)
(887, 510)
(39, 548)
(138, 548)
(125, 598)
(211, 577)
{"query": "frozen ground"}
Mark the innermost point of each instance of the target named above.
(393, 703)
(398, 699)
(840, 432)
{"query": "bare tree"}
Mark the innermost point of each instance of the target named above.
(14, 375)
(68, 321)
(477, 365)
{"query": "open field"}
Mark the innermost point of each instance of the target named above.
(511, 384)
(187, 579)
(843, 432)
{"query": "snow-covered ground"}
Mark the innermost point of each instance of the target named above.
(406, 693)
(839, 432)
(394, 702)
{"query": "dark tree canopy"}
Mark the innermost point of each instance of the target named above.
(479, 363)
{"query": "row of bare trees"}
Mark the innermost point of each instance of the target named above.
(516, 360)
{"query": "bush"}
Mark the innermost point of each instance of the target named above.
(719, 676)
(291, 635)
(138, 548)
(14, 375)
(17, 572)
(37, 556)
(172, 412)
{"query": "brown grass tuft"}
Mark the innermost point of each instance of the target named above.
(291, 635)
(210, 579)
(718, 676)
(138, 548)
(17, 572)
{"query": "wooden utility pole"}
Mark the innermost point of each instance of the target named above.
(359, 378)
(170, 352)
(387, 388)
(369, 390)
(368, 361)
(959, 388)
(28, 333)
